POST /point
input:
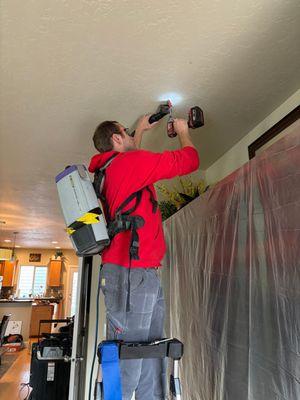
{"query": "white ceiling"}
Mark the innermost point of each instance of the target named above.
(68, 65)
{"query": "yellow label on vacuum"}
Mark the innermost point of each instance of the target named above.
(89, 218)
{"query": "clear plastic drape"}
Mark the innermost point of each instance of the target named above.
(232, 282)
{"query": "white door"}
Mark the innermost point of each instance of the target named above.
(71, 291)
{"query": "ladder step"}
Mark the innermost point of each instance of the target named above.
(171, 348)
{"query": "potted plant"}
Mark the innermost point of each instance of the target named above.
(179, 197)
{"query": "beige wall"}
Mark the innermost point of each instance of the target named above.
(238, 154)
(22, 256)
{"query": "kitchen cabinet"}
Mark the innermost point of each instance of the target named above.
(54, 273)
(7, 270)
(40, 311)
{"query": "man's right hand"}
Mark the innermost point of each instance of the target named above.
(181, 126)
(182, 130)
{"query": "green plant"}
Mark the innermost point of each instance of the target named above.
(167, 208)
(58, 253)
(178, 198)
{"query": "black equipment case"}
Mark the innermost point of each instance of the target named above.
(50, 365)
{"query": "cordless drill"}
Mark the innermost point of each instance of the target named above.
(195, 120)
(163, 109)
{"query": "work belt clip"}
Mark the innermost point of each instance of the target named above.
(123, 222)
(137, 222)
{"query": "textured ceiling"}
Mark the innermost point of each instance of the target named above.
(67, 65)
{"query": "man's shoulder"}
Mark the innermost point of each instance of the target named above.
(137, 152)
(134, 154)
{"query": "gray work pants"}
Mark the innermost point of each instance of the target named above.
(144, 321)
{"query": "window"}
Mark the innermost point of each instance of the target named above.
(32, 281)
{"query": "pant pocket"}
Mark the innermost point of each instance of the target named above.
(136, 278)
(143, 297)
(115, 327)
(113, 288)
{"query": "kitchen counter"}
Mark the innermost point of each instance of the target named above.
(39, 299)
(16, 301)
(20, 311)
(49, 299)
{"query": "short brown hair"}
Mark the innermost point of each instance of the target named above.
(103, 134)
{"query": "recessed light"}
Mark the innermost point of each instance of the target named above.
(7, 240)
(54, 242)
(57, 247)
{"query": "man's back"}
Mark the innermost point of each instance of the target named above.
(130, 172)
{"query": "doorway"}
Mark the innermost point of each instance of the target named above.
(72, 281)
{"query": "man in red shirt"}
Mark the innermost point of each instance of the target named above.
(129, 274)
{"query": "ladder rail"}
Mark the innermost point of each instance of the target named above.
(175, 385)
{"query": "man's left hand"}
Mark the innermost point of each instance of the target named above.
(143, 124)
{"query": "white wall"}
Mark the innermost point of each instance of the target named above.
(238, 154)
(20, 311)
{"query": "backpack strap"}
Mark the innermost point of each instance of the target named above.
(137, 195)
(152, 199)
(124, 221)
(99, 178)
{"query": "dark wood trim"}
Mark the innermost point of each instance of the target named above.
(286, 121)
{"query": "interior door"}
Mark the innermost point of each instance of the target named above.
(71, 291)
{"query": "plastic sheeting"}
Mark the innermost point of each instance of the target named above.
(232, 281)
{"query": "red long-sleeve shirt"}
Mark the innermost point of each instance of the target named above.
(129, 172)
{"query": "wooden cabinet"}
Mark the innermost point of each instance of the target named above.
(7, 270)
(40, 311)
(54, 273)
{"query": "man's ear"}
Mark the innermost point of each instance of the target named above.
(116, 138)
